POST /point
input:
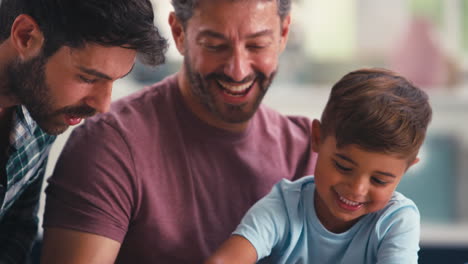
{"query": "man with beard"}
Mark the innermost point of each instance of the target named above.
(58, 61)
(185, 158)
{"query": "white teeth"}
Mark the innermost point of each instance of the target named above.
(235, 88)
(348, 202)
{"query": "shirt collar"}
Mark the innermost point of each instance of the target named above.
(24, 128)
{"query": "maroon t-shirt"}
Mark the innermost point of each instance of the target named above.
(167, 186)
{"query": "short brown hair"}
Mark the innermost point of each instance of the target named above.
(378, 110)
(75, 23)
(184, 9)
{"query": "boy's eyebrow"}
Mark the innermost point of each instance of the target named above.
(386, 174)
(341, 156)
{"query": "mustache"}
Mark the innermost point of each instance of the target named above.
(81, 111)
(225, 78)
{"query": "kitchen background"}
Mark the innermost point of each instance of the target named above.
(425, 40)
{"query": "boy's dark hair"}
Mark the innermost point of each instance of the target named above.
(73, 23)
(378, 110)
(184, 8)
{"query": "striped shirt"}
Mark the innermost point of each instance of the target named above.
(20, 186)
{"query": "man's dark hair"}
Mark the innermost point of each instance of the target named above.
(184, 8)
(377, 110)
(74, 23)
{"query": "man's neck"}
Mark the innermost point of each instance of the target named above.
(7, 102)
(7, 98)
(6, 116)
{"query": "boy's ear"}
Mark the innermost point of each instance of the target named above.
(26, 37)
(178, 33)
(316, 135)
(416, 160)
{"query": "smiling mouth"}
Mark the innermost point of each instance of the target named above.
(236, 90)
(349, 202)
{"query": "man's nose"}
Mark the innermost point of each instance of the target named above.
(238, 66)
(100, 99)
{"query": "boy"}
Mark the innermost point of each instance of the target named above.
(371, 130)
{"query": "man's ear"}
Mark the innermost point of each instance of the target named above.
(316, 126)
(178, 32)
(26, 37)
(284, 32)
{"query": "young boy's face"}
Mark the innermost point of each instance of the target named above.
(352, 182)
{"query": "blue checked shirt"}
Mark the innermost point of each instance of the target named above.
(20, 186)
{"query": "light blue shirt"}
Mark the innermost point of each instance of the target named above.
(283, 225)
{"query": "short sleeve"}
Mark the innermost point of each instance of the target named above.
(400, 233)
(264, 225)
(93, 185)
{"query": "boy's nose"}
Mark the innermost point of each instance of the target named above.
(359, 187)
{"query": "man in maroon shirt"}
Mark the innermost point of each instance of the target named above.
(169, 172)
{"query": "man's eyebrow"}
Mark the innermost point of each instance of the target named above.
(214, 34)
(100, 74)
(341, 156)
(266, 32)
(211, 34)
(94, 72)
